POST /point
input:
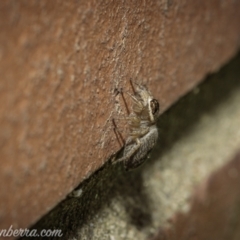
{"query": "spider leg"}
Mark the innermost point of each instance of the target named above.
(133, 98)
(118, 134)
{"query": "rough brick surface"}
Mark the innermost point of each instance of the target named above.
(60, 63)
(215, 209)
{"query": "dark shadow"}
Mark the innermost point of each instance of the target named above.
(111, 181)
(183, 116)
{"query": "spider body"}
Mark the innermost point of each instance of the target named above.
(143, 132)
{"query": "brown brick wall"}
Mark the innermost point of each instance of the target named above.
(60, 62)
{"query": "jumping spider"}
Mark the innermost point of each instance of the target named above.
(143, 132)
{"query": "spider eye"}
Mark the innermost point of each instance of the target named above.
(154, 106)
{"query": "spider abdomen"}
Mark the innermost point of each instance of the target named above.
(147, 142)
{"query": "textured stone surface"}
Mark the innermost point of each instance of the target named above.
(60, 63)
(215, 209)
(198, 136)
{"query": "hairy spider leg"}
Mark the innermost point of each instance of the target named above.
(118, 134)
